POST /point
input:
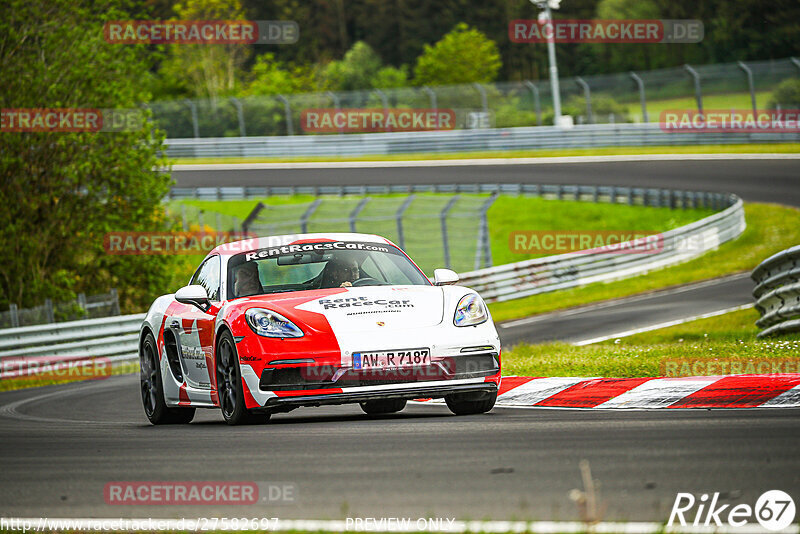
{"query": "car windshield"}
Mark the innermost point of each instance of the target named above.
(320, 265)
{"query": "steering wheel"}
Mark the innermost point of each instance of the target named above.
(366, 281)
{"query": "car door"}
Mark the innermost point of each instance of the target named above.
(194, 328)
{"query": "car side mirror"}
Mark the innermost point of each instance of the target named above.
(195, 295)
(444, 277)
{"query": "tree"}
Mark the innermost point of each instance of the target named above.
(62, 192)
(206, 70)
(464, 55)
(355, 71)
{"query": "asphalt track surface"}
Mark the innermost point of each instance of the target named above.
(755, 180)
(622, 315)
(60, 445)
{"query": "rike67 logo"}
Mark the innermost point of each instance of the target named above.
(774, 510)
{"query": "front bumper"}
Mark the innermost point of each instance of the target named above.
(370, 393)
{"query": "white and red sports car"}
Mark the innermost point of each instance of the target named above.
(272, 324)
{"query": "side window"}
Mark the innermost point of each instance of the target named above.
(208, 277)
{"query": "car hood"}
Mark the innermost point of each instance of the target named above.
(377, 308)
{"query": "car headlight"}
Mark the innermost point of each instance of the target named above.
(470, 311)
(270, 324)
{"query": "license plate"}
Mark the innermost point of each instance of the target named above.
(389, 359)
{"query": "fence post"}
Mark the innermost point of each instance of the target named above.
(195, 125)
(384, 103)
(483, 252)
(443, 222)
(795, 61)
(587, 94)
(399, 216)
(239, 115)
(12, 309)
(307, 215)
(200, 221)
(183, 218)
(82, 301)
(356, 211)
(333, 96)
(749, 74)
(484, 101)
(431, 96)
(287, 110)
(48, 310)
(697, 91)
(536, 102)
(642, 99)
(114, 302)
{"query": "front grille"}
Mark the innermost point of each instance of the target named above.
(321, 377)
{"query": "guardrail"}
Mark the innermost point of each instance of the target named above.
(777, 293)
(541, 275)
(489, 139)
(115, 338)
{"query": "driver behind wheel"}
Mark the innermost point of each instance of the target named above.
(246, 281)
(340, 272)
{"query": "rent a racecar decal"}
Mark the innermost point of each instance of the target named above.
(363, 301)
(391, 359)
(310, 247)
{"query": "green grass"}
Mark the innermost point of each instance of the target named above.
(726, 101)
(422, 228)
(770, 229)
(720, 341)
(752, 148)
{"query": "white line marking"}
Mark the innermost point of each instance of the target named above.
(624, 300)
(476, 161)
(787, 399)
(659, 326)
(538, 390)
(659, 392)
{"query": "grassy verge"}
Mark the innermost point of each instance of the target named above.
(770, 229)
(724, 101)
(423, 230)
(34, 381)
(723, 340)
(751, 148)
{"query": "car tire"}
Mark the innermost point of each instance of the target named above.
(465, 403)
(229, 385)
(378, 407)
(152, 388)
